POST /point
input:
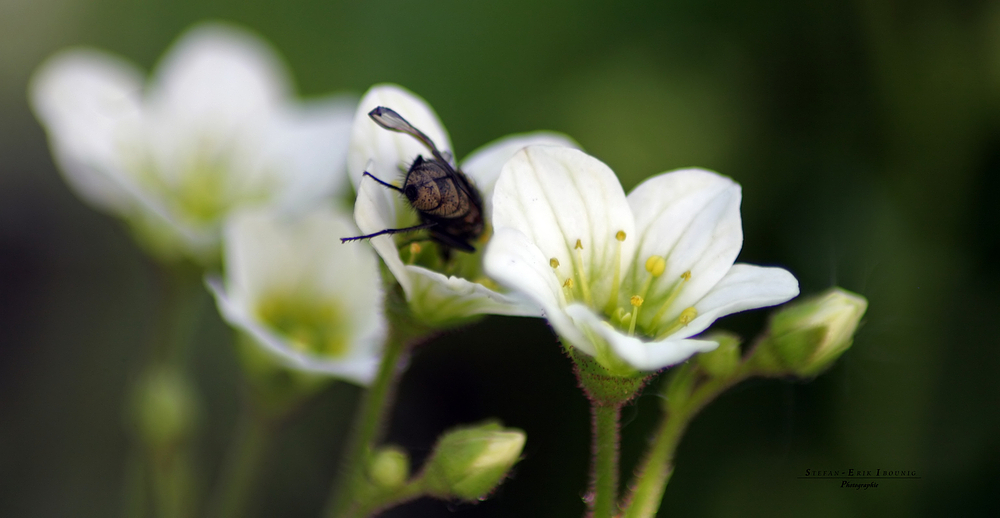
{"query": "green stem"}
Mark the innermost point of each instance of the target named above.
(604, 478)
(345, 498)
(656, 468)
(254, 433)
(160, 475)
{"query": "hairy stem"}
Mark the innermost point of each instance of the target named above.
(604, 478)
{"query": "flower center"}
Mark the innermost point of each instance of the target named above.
(313, 326)
(619, 315)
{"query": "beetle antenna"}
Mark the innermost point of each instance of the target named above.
(389, 185)
(390, 120)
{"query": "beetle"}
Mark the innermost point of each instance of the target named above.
(448, 204)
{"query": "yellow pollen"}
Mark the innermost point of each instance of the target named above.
(620, 236)
(414, 252)
(687, 315)
(554, 263)
(636, 303)
(686, 275)
(656, 265)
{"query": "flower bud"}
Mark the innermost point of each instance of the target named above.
(724, 360)
(389, 468)
(165, 408)
(807, 337)
(468, 463)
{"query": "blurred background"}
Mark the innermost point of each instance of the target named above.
(866, 136)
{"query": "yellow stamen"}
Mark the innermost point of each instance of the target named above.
(636, 303)
(686, 276)
(683, 319)
(584, 287)
(656, 265)
(687, 315)
(414, 252)
(616, 278)
(554, 263)
(568, 290)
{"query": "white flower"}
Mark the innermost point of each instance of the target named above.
(625, 278)
(215, 129)
(300, 294)
(433, 296)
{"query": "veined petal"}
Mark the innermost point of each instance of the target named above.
(309, 146)
(744, 287)
(438, 298)
(514, 261)
(647, 356)
(484, 164)
(89, 102)
(556, 196)
(391, 152)
(692, 217)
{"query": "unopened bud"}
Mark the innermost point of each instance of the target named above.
(724, 360)
(807, 337)
(165, 408)
(468, 463)
(389, 468)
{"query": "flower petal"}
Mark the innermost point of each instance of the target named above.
(744, 287)
(309, 146)
(89, 102)
(514, 261)
(692, 217)
(556, 196)
(359, 369)
(391, 152)
(219, 72)
(374, 212)
(647, 356)
(438, 299)
(484, 164)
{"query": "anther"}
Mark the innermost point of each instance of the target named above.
(579, 245)
(568, 290)
(636, 303)
(414, 252)
(584, 286)
(554, 263)
(686, 275)
(620, 236)
(656, 265)
(687, 315)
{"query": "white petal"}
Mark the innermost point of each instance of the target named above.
(221, 73)
(359, 369)
(391, 152)
(692, 217)
(647, 356)
(437, 298)
(309, 147)
(374, 212)
(744, 287)
(484, 164)
(516, 263)
(556, 196)
(90, 104)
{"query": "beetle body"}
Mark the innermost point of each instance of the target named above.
(448, 204)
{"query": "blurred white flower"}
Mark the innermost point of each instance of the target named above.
(300, 294)
(433, 296)
(625, 279)
(215, 129)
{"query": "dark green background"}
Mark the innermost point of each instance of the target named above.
(866, 136)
